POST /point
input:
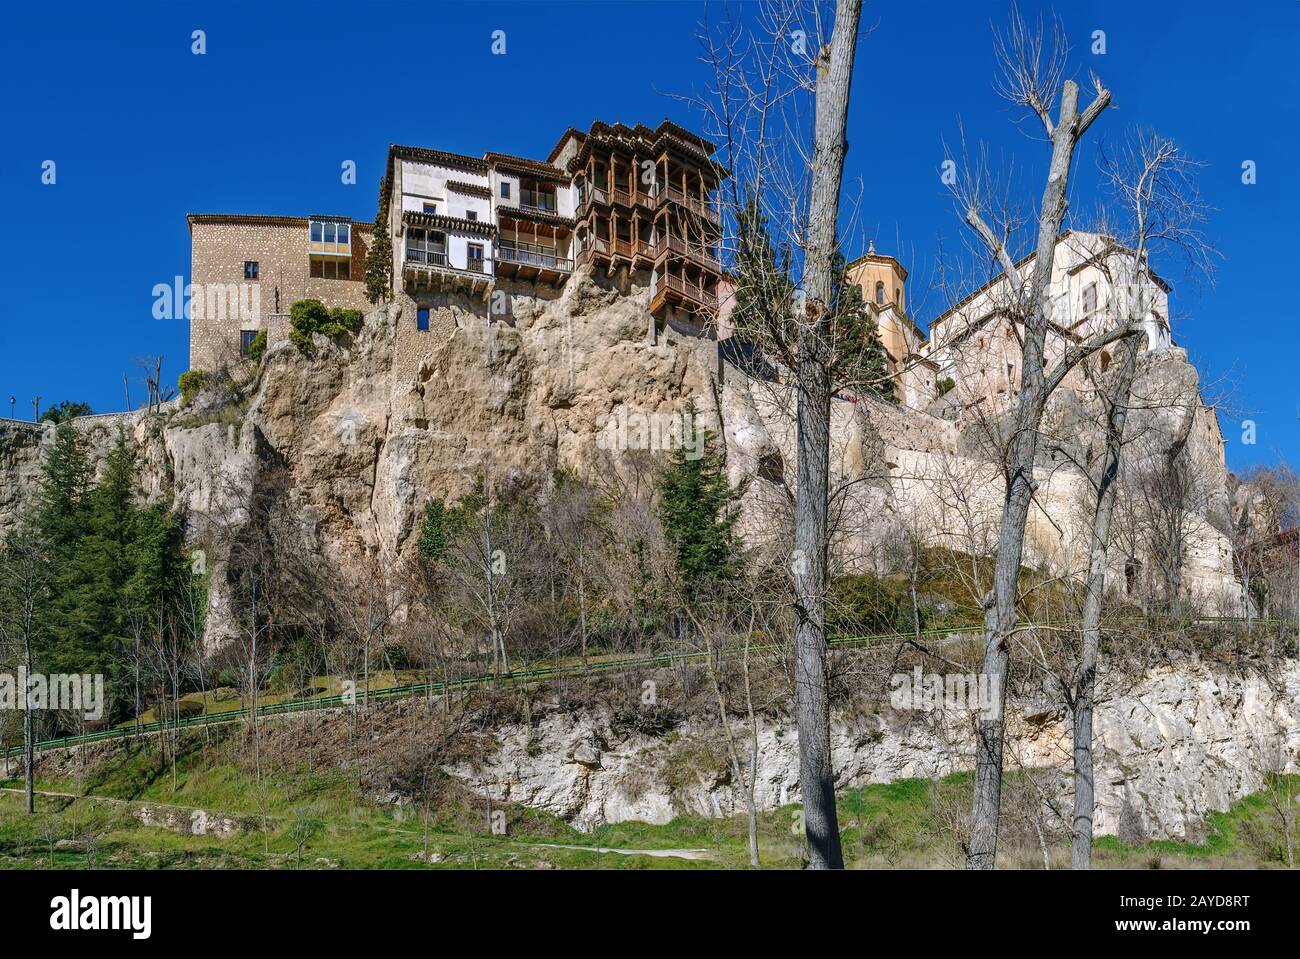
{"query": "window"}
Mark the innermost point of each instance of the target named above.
(538, 196)
(330, 236)
(1089, 299)
(323, 269)
(246, 338)
(505, 189)
(474, 257)
(880, 294)
(471, 215)
(431, 208)
(422, 319)
(250, 269)
(426, 246)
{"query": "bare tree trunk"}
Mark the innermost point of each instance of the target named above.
(1000, 606)
(29, 745)
(816, 779)
(1086, 685)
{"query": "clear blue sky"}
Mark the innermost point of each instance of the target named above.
(144, 132)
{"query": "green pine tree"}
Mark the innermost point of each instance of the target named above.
(698, 514)
(63, 489)
(66, 410)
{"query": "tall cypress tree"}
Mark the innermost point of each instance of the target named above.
(696, 510)
(379, 258)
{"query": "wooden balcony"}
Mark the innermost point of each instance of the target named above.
(596, 249)
(697, 205)
(528, 263)
(694, 252)
(431, 271)
(592, 195)
(677, 291)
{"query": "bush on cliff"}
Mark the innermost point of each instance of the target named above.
(191, 383)
(309, 317)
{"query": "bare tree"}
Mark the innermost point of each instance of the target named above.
(766, 81)
(1154, 187)
(1033, 77)
(25, 580)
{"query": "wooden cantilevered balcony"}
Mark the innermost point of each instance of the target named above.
(591, 196)
(529, 261)
(619, 250)
(698, 253)
(682, 292)
(431, 271)
(700, 206)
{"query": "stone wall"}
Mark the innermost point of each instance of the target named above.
(279, 245)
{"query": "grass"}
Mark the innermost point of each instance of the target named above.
(898, 824)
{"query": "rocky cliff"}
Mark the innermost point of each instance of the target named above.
(365, 431)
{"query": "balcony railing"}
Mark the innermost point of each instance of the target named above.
(697, 205)
(526, 257)
(697, 294)
(622, 197)
(429, 257)
(590, 195)
(595, 246)
(437, 260)
(694, 252)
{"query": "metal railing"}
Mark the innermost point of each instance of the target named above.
(523, 255)
(426, 257)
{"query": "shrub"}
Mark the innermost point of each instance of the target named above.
(257, 349)
(67, 410)
(944, 385)
(863, 605)
(191, 383)
(309, 317)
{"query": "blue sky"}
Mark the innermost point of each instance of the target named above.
(144, 132)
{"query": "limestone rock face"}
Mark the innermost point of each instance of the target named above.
(1181, 742)
(537, 379)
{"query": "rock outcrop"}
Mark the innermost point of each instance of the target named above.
(1185, 740)
(365, 432)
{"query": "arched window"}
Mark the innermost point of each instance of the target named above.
(880, 293)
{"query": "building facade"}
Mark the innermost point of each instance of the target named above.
(973, 349)
(633, 203)
(247, 271)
